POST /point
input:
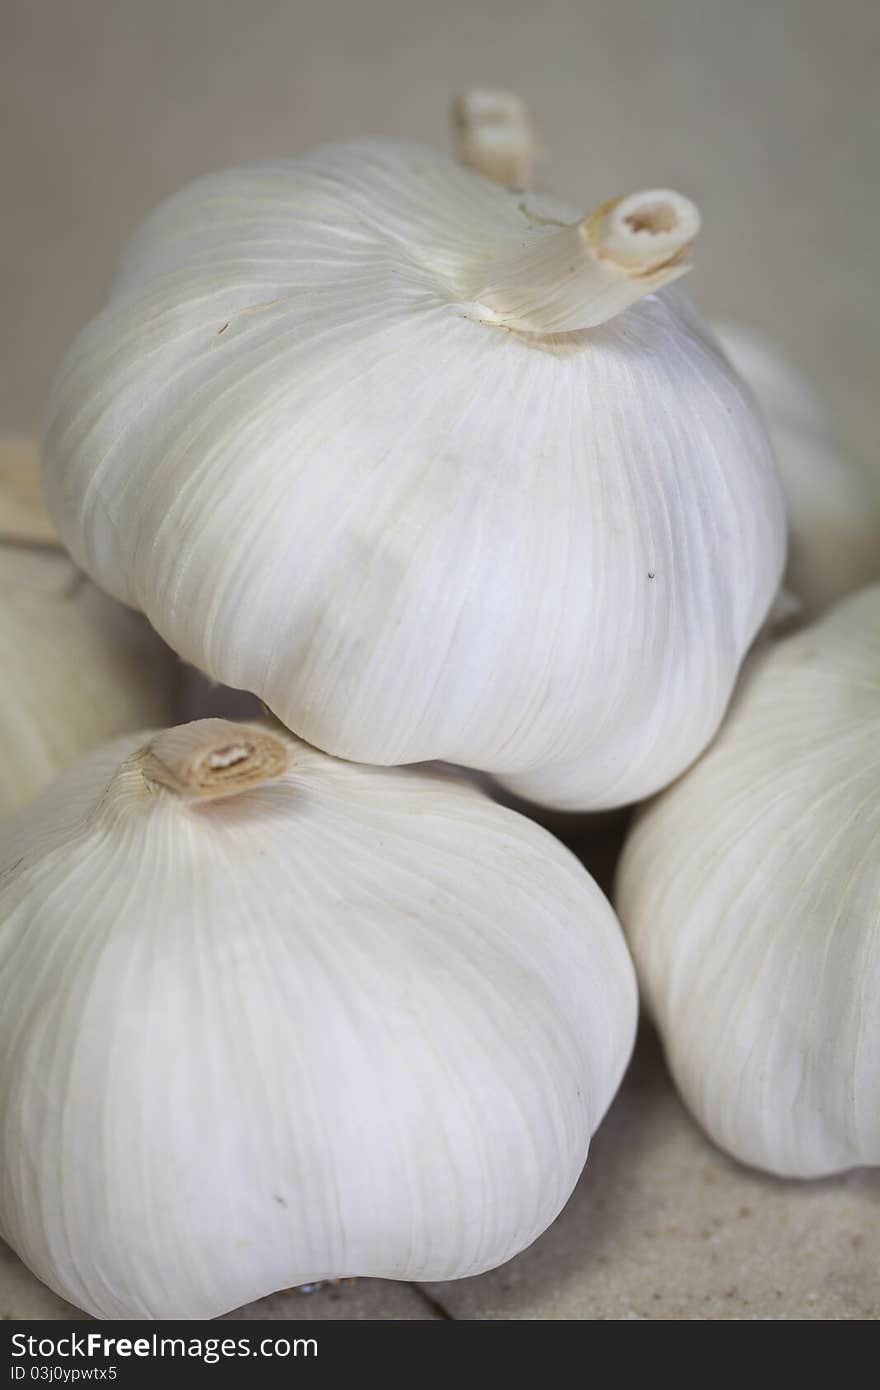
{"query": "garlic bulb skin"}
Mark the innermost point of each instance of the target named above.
(833, 505)
(77, 668)
(749, 893)
(429, 466)
(266, 1017)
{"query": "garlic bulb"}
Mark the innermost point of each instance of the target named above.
(750, 894)
(77, 668)
(266, 1017)
(833, 505)
(428, 466)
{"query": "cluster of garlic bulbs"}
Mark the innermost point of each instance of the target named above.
(437, 469)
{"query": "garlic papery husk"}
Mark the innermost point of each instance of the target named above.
(343, 434)
(750, 894)
(833, 504)
(266, 1018)
(77, 668)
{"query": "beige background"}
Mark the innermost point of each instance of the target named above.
(765, 111)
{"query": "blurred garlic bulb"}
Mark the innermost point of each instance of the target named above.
(833, 505)
(750, 894)
(266, 1017)
(77, 668)
(372, 436)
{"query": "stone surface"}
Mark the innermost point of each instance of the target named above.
(23, 1297)
(350, 1299)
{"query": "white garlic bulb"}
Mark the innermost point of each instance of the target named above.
(750, 894)
(833, 504)
(266, 1017)
(77, 668)
(372, 437)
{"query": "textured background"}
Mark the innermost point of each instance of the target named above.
(767, 113)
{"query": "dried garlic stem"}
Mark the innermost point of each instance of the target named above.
(23, 517)
(211, 758)
(493, 133)
(583, 275)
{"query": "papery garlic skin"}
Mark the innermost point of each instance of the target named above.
(415, 524)
(351, 1021)
(833, 504)
(77, 669)
(750, 897)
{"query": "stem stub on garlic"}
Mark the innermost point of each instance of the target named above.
(213, 758)
(580, 276)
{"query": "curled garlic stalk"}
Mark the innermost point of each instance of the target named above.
(493, 133)
(581, 276)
